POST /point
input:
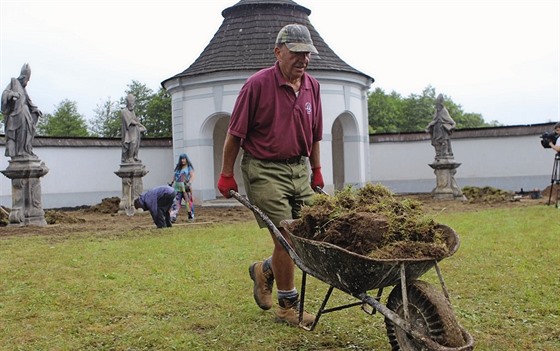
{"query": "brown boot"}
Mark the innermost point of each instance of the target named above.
(262, 287)
(288, 312)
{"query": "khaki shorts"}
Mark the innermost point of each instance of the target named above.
(279, 189)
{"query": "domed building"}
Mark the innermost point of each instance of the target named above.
(204, 94)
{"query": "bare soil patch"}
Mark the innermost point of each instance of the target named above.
(104, 218)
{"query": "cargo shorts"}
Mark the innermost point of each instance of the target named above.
(278, 188)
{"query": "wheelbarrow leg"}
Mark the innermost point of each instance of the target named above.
(302, 303)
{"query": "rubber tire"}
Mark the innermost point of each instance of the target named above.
(430, 313)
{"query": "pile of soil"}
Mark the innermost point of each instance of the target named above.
(59, 217)
(4, 216)
(372, 221)
(487, 194)
(108, 205)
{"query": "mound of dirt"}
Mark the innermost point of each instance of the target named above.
(4, 216)
(371, 221)
(107, 205)
(59, 217)
(487, 194)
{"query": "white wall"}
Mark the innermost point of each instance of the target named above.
(80, 175)
(504, 162)
(82, 172)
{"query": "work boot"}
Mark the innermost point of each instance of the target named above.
(262, 287)
(288, 312)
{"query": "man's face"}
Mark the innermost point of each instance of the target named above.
(292, 64)
(557, 130)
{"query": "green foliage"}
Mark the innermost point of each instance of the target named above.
(385, 111)
(152, 109)
(391, 113)
(158, 115)
(64, 122)
(419, 110)
(107, 122)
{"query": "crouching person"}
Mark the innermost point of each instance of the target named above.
(158, 201)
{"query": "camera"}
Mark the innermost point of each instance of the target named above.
(547, 138)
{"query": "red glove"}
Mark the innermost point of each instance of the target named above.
(225, 184)
(317, 178)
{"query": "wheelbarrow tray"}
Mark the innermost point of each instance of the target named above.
(354, 273)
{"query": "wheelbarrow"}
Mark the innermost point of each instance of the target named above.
(417, 315)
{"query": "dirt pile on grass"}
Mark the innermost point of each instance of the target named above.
(59, 217)
(487, 194)
(108, 205)
(371, 221)
(4, 216)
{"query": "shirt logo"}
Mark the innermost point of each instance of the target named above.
(308, 108)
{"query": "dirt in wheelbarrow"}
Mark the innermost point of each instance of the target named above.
(374, 222)
(104, 218)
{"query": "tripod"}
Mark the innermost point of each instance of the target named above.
(555, 179)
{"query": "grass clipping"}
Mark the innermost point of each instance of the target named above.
(372, 222)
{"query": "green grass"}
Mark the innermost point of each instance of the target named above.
(188, 289)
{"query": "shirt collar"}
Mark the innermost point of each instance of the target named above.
(282, 81)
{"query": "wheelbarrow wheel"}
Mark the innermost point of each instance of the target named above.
(429, 313)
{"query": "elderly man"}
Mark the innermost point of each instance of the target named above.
(278, 121)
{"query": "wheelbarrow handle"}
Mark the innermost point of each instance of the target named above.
(285, 244)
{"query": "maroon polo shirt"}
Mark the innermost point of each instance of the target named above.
(273, 122)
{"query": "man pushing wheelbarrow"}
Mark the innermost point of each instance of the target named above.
(277, 120)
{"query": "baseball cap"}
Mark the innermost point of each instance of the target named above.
(297, 38)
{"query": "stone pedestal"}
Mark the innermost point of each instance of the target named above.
(132, 185)
(446, 186)
(27, 207)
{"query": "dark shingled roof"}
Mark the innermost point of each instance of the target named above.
(245, 40)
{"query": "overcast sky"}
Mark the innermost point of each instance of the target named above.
(499, 58)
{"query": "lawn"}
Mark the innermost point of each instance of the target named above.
(187, 288)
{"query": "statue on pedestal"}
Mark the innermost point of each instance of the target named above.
(445, 167)
(24, 169)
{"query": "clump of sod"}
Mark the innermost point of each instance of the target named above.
(373, 222)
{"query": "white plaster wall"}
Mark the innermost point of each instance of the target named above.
(508, 163)
(199, 102)
(344, 96)
(85, 175)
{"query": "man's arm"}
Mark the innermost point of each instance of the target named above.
(227, 181)
(315, 162)
(231, 149)
(315, 157)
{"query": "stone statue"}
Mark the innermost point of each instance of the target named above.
(440, 128)
(131, 130)
(20, 115)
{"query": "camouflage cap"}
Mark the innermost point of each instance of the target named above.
(297, 38)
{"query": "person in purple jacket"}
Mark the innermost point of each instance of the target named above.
(158, 201)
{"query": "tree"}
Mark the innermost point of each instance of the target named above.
(390, 113)
(384, 111)
(153, 111)
(418, 110)
(158, 115)
(107, 120)
(64, 122)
